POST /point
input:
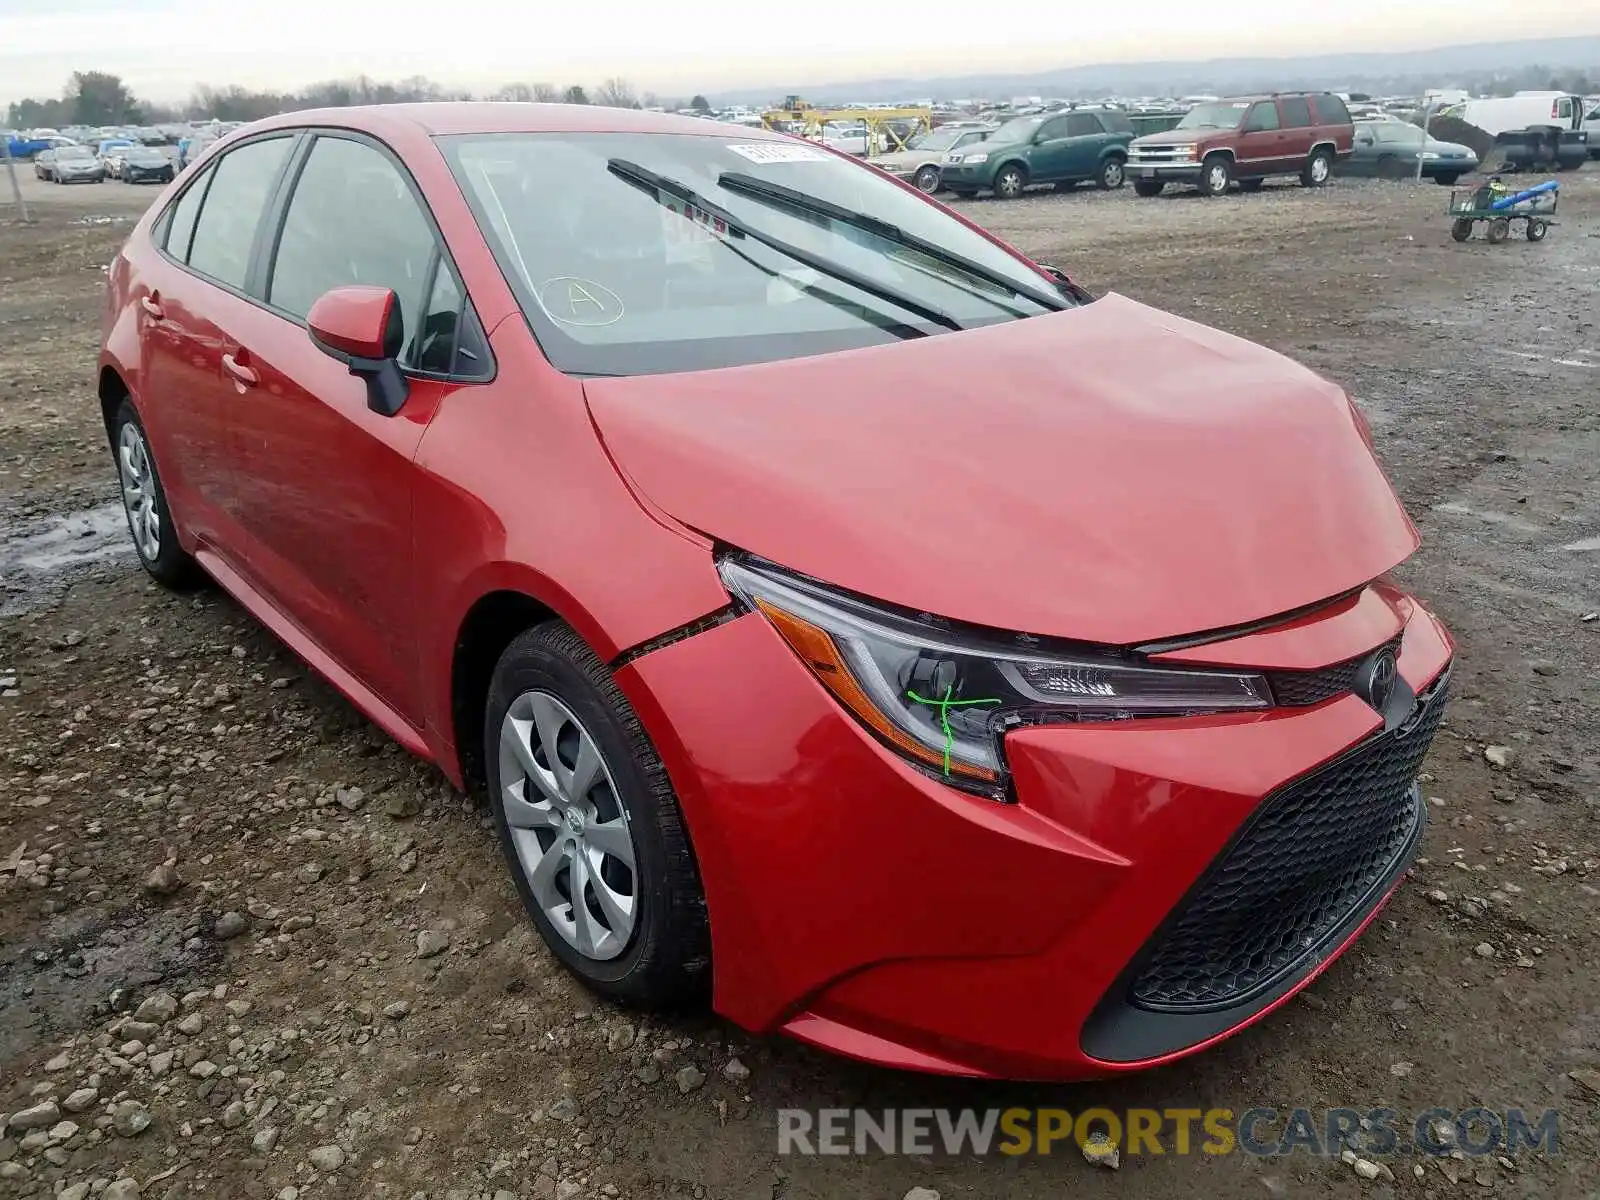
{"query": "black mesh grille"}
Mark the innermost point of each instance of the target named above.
(1313, 854)
(1299, 689)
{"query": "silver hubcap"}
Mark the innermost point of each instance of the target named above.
(928, 181)
(139, 492)
(1010, 184)
(1219, 179)
(568, 826)
(1319, 169)
(1113, 174)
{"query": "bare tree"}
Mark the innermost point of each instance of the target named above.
(513, 91)
(546, 93)
(616, 93)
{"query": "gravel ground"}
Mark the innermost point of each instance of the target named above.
(248, 948)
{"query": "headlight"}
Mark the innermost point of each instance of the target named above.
(1184, 152)
(1427, 154)
(943, 697)
(977, 156)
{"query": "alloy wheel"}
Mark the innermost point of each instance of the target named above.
(571, 834)
(1319, 169)
(1217, 178)
(138, 491)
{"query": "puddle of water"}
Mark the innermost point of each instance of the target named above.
(34, 561)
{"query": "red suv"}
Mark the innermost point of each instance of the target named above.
(841, 614)
(1246, 141)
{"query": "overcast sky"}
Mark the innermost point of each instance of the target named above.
(164, 47)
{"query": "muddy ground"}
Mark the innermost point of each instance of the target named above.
(308, 1046)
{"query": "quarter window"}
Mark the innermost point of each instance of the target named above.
(352, 220)
(226, 231)
(1331, 110)
(1296, 112)
(180, 220)
(448, 340)
(1263, 116)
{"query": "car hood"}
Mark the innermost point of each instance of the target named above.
(904, 160)
(1178, 137)
(1111, 473)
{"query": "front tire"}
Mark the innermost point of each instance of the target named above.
(590, 826)
(1461, 230)
(927, 180)
(1010, 182)
(1216, 175)
(1318, 169)
(1113, 174)
(144, 501)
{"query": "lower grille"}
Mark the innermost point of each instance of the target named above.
(1315, 852)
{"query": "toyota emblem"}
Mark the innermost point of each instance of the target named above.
(1376, 678)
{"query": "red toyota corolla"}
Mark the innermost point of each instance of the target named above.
(846, 617)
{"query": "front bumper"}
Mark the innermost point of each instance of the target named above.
(865, 907)
(1166, 171)
(967, 177)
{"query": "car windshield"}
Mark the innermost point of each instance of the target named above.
(64, 153)
(1214, 116)
(1019, 129)
(939, 139)
(619, 276)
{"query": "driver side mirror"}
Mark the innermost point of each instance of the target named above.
(362, 328)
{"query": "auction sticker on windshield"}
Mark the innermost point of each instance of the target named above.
(777, 152)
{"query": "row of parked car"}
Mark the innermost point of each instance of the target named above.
(131, 162)
(1218, 145)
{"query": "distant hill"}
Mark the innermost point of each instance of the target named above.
(1398, 72)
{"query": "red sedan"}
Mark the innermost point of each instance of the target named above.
(847, 618)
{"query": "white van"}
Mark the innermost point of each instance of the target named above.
(1533, 129)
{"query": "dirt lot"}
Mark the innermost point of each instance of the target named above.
(260, 1020)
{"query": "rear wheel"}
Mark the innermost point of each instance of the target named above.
(155, 538)
(1216, 175)
(1148, 187)
(1113, 173)
(927, 180)
(1318, 168)
(1461, 230)
(590, 826)
(1008, 184)
(1499, 229)
(1537, 230)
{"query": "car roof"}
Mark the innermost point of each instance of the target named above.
(447, 117)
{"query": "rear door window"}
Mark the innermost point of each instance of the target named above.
(351, 220)
(1296, 112)
(1083, 125)
(241, 183)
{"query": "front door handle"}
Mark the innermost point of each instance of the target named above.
(242, 375)
(152, 306)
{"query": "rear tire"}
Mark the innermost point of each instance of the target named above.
(144, 502)
(1461, 230)
(551, 696)
(1537, 230)
(1148, 188)
(1318, 169)
(1215, 175)
(1499, 230)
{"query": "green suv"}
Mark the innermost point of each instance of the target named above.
(1064, 147)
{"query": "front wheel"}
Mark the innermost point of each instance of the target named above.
(1461, 230)
(1112, 174)
(1537, 230)
(1216, 175)
(590, 826)
(927, 180)
(1318, 169)
(155, 538)
(1148, 187)
(1008, 184)
(1499, 229)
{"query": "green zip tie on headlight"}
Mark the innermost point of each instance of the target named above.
(944, 706)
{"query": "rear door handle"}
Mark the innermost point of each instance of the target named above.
(242, 374)
(152, 306)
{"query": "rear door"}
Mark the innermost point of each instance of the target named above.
(1260, 141)
(1299, 130)
(1086, 138)
(324, 484)
(191, 301)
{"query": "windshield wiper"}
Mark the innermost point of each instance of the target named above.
(650, 182)
(777, 193)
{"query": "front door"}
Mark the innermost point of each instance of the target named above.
(323, 483)
(1051, 157)
(1260, 141)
